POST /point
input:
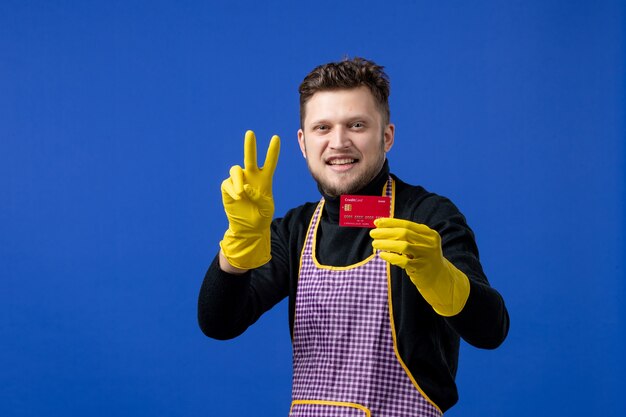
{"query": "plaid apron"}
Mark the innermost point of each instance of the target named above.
(345, 363)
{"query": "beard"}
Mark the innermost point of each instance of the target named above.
(351, 182)
(351, 186)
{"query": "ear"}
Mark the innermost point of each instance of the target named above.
(301, 142)
(388, 136)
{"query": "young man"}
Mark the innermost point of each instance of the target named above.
(376, 314)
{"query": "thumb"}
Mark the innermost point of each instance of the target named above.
(263, 203)
(253, 193)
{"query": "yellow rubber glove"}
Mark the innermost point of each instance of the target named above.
(249, 206)
(417, 249)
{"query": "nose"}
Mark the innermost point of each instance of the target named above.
(340, 139)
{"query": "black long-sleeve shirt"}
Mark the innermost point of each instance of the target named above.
(427, 342)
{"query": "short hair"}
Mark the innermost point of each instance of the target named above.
(347, 74)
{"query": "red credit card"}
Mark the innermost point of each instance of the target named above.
(362, 210)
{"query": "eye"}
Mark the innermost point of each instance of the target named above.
(321, 128)
(358, 125)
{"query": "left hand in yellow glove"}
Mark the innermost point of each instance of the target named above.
(417, 249)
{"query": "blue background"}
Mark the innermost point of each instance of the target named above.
(119, 120)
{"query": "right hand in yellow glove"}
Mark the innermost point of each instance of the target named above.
(249, 206)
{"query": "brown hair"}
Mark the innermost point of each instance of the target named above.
(347, 74)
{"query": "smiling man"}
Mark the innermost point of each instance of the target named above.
(344, 138)
(383, 277)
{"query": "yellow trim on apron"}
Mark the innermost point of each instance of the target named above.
(331, 403)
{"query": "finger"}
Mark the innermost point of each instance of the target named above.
(252, 192)
(411, 250)
(393, 246)
(263, 203)
(271, 158)
(228, 191)
(395, 259)
(390, 222)
(249, 151)
(418, 228)
(236, 176)
(404, 235)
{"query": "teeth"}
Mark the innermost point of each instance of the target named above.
(341, 161)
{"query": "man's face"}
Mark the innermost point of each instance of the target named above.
(344, 140)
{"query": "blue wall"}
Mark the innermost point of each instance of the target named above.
(119, 120)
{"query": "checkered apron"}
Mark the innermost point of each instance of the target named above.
(344, 359)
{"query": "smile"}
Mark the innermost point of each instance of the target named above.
(345, 161)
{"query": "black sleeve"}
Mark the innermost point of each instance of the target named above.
(484, 321)
(228, 304)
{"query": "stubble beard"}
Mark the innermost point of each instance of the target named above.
(355, 184)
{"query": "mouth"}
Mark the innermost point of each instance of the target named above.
(341, 162)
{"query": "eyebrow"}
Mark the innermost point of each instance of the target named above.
(358, 117)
